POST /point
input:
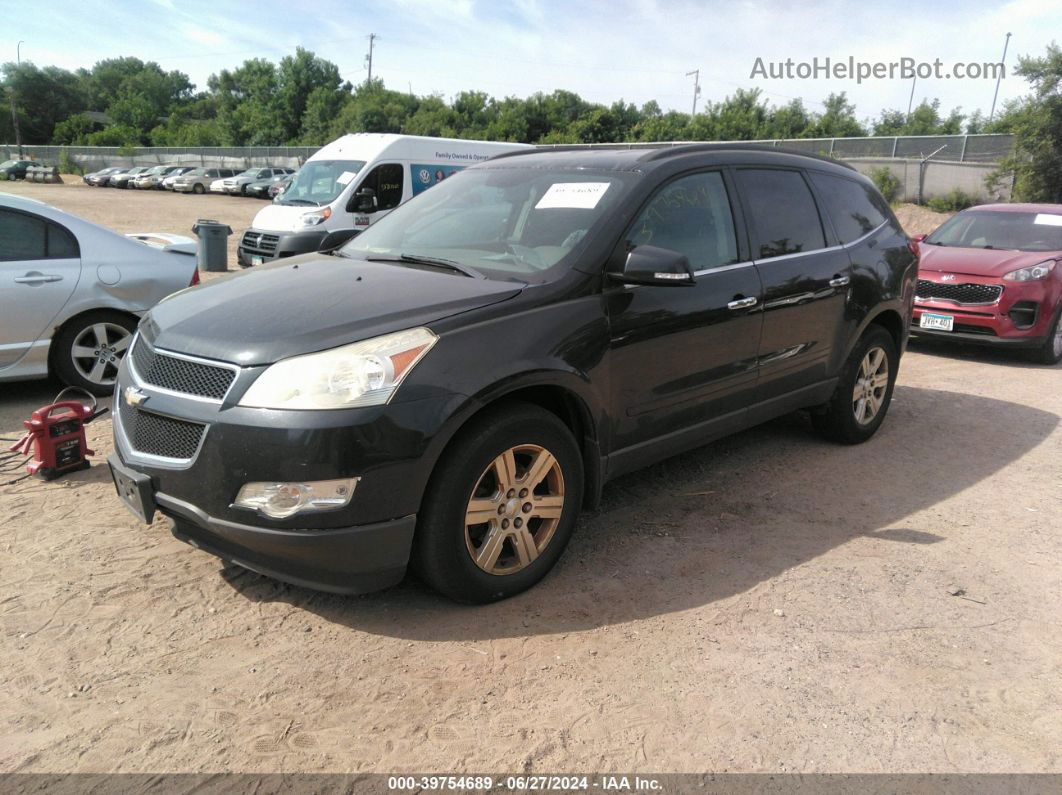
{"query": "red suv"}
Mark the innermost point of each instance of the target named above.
(991, 275)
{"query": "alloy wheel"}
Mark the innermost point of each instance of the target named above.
(514, 510)
(98, 350)
(1057, 343)
(872, 381)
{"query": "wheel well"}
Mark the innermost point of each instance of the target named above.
(70, 320)
(892, 323)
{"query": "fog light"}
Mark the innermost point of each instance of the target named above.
(281, 500)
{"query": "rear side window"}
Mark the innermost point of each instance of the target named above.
(852, 207)
(386, 180)
(691, 215)
(28, 237)
(784, 218)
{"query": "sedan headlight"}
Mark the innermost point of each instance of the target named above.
(313, 219)
(1033, 273)
(365, 373)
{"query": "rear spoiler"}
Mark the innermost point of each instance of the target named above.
(178, 244)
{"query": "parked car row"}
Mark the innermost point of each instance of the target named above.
(261, 182)
(16, 169)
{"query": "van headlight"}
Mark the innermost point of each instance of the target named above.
(366, 373)
(1031, 274)
(313, 219)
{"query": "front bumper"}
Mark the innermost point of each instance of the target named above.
(1020, 318)
(269, 244)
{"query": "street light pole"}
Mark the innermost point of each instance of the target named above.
(999, 76)
(14, 112)
(696, 75)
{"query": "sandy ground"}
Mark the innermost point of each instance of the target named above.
(767, 603)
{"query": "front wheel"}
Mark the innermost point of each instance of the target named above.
(197, 188)
(87, 352)
(864, 391)
(501, 505)
(1051, 352)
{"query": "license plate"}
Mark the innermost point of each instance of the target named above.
(257, 260)
(134, 489)
(937, 322)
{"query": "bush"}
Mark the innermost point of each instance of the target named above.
(885, 181)
(4, 178)
(67, 164)
(955, 200)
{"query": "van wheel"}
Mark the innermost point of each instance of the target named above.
(864, 391)
(87, 352)
(1051, 352)
(198, 188)
(501, 505)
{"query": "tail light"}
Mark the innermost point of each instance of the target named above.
(195, 277)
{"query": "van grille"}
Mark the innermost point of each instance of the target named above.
(259, 242)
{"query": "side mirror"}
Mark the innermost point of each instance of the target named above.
(334, 240)
(365, 201)
(918, 238)
(652, 265)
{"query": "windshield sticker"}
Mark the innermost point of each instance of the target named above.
(1047, 219)
(346, 177)
(572, 195)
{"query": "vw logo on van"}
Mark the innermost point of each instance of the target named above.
(425, 176)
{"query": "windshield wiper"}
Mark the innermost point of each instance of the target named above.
(307, 202)
(435, 262)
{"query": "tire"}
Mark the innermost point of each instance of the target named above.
(515, 548)
(109, 332)
(1051, 352)
(198, 189)
(849, 420)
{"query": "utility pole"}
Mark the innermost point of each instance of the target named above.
(999, 76)
(696, 73)
(368, 58)
(14, 112)
(911, 100)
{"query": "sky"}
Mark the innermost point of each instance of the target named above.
(634, 50)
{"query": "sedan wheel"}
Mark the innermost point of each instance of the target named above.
(88, 352)
(515, 509)
(871, 385)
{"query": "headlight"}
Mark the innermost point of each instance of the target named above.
(365, 373)
(1033, 273)
(313, 219)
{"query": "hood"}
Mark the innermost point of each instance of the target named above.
(978, 261)
(310, 303)
(282, 218)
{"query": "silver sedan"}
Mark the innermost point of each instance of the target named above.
(72, 292)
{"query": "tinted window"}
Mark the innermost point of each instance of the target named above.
(21, 236)
(784, 219)
(691, 215)
(61, 243)
(386, 180)
(852, 206)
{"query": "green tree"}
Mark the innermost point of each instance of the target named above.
(43, 97)
(74, 130)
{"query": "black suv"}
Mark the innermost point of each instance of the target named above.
(451, 386)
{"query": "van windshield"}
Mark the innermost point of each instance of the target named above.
(504, 223)
(318, 182)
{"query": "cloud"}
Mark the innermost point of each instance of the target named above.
(203, 36)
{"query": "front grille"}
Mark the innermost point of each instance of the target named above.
(959, 293)
(260, 241)
(154, 434)
(180, 375)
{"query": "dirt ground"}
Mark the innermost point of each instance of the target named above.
(769, 603)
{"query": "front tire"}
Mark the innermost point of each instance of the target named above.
(501, 505)
(198, 189)
(87, 352)
(1051, 352)
(864, 391)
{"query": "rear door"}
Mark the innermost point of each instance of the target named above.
(805, 277)
(39, 269)
(683, 359)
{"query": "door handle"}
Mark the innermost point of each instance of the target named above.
(38, 278)
(742, 303)
(839, 281)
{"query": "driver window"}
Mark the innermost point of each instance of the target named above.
(690, 215)
(386, 180)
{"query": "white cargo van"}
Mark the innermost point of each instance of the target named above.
(351, 183)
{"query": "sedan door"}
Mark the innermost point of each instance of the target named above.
(683, 358)
(39, 268)
(805, 283)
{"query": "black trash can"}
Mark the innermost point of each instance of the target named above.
(213, 254)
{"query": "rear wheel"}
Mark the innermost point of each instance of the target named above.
(198, 188)
(501, 506)
(87, 352)
(864, 391)
(1051, 352)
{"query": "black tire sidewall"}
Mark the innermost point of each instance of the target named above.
(62, 348)
(1047, 352)
(440, 555)
(839, 422)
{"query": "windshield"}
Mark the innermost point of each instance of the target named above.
(501, 222)
(1003, 230)
(320, 181)
(251, 172)
(7, 163)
